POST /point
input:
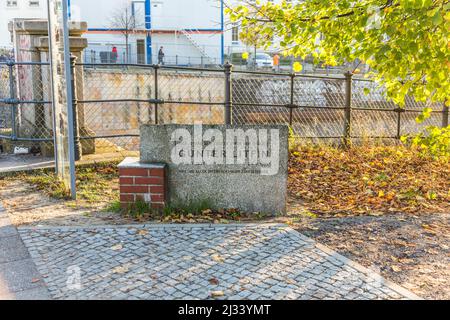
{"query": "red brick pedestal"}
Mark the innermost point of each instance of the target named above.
(142, 182)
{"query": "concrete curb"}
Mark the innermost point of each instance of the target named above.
(156, 226)
(20, 277)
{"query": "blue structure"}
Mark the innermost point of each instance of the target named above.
(222, 27)
(148, 28)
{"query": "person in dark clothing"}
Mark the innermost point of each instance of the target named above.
(161, 56)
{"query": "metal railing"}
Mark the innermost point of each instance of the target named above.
(112, 100)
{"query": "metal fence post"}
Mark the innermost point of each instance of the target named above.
(399, 122)
(445, 116)
(156, 93)
(228, 93)
(12, 96)
(348, 108)
(76, 129)
(291, 101)
(138, 105)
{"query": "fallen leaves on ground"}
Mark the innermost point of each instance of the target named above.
(368, 180)
(117, 247)
(120, 269)
(179, 216)
(217, 258)
(217, 294)
(142, 232)
(396, 268)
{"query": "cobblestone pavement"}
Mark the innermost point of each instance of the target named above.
(197, 262)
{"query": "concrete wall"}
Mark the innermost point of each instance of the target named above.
(111, 118)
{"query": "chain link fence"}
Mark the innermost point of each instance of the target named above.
(113, 100)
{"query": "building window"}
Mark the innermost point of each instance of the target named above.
(235, 33)
(33, 3)
(11, 3)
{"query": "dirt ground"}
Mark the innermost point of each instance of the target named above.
(412, 250)
(27, 206)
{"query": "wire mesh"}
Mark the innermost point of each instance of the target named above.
(112, 104)
(321, 102)
(5, 109)
(26, 116)
(114, 100)
(191, 96)
(260, 98)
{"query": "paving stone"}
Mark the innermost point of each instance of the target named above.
(178, 262)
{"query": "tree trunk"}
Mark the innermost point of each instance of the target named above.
(126, 48)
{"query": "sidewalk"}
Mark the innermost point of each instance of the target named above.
(199, 262)
(15, 163)
(10, 163)
(19, 278)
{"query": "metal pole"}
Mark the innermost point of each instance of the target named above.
(56, 146)
(77, 143)
(138, 105)
(348, 108)
(13, 97)
(399, 122)
(445, 116)
(71, 135)
(254, 58)
(156, 93)
(291, 108)
(228, 93)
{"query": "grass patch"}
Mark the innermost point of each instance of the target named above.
(97, 184)
(49, 183)
(188, 212)
(114, 207)
(189, 207)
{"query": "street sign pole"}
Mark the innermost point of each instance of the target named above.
(59, 54)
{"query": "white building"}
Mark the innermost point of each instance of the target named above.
(232, 42)
(190, 32)
(10, 9)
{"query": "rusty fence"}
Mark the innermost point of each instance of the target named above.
(113, 100)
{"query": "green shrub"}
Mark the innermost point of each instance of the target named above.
(434, 142)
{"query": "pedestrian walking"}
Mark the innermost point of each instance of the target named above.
(114, 55)
(276, 62)
(161, 56)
